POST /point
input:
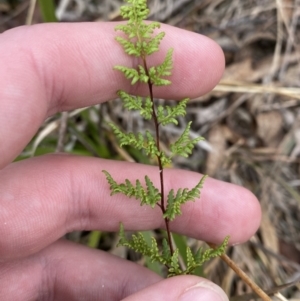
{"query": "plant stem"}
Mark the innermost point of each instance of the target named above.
(160, 165)
(243, 275)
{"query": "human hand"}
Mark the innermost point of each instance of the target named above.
(57, 67)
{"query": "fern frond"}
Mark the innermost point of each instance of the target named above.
(139, 142)
(136, 11)
(164, 69)
(155, 255)
(113, 184)
(140, 41)
(130, 73)
(155, 80)
(151, 148)
(197, 260)
(136, 243)
(153, 194)
(136, 103)
(194, 193)
(128, 29)
(173, 206)
(184, 145)
(211, 252)
(129, 47)
(167, 114)
(153, 45)
(165, 160)
(194, 261)
(190, 260)
(139, 244)
(126, 188)
(174, 203)
(146, 110)
(146, 30)
(135, 75)
(143, 77)
(174, 268)
(167, 65)
(149, 196)
(136, 141)
(130, 102)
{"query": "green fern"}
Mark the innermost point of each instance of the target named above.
(135, 75)
(149, 196)
(184, 145)
(164, 69)
(167, 114)
(138, 40)
(174, 268)
(147, 143)
(182, 196)
(136, 103)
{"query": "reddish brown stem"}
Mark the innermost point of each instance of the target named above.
(160, 165)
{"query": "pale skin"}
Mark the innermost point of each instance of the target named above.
(51, 68)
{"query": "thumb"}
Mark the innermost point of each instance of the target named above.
(181, 288)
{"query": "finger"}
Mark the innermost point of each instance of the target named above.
(43, 198)
(58, 67)
(66, 271)
(181, 288)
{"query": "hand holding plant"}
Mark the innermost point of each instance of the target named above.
(43, 198)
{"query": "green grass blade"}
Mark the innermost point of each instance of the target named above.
(94, 239)
(181, 244)
(47, 8)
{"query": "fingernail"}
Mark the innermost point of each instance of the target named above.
(204, 291)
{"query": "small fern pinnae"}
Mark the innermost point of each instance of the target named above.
(140, 41)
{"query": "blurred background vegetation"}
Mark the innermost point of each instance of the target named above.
(251, 122)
